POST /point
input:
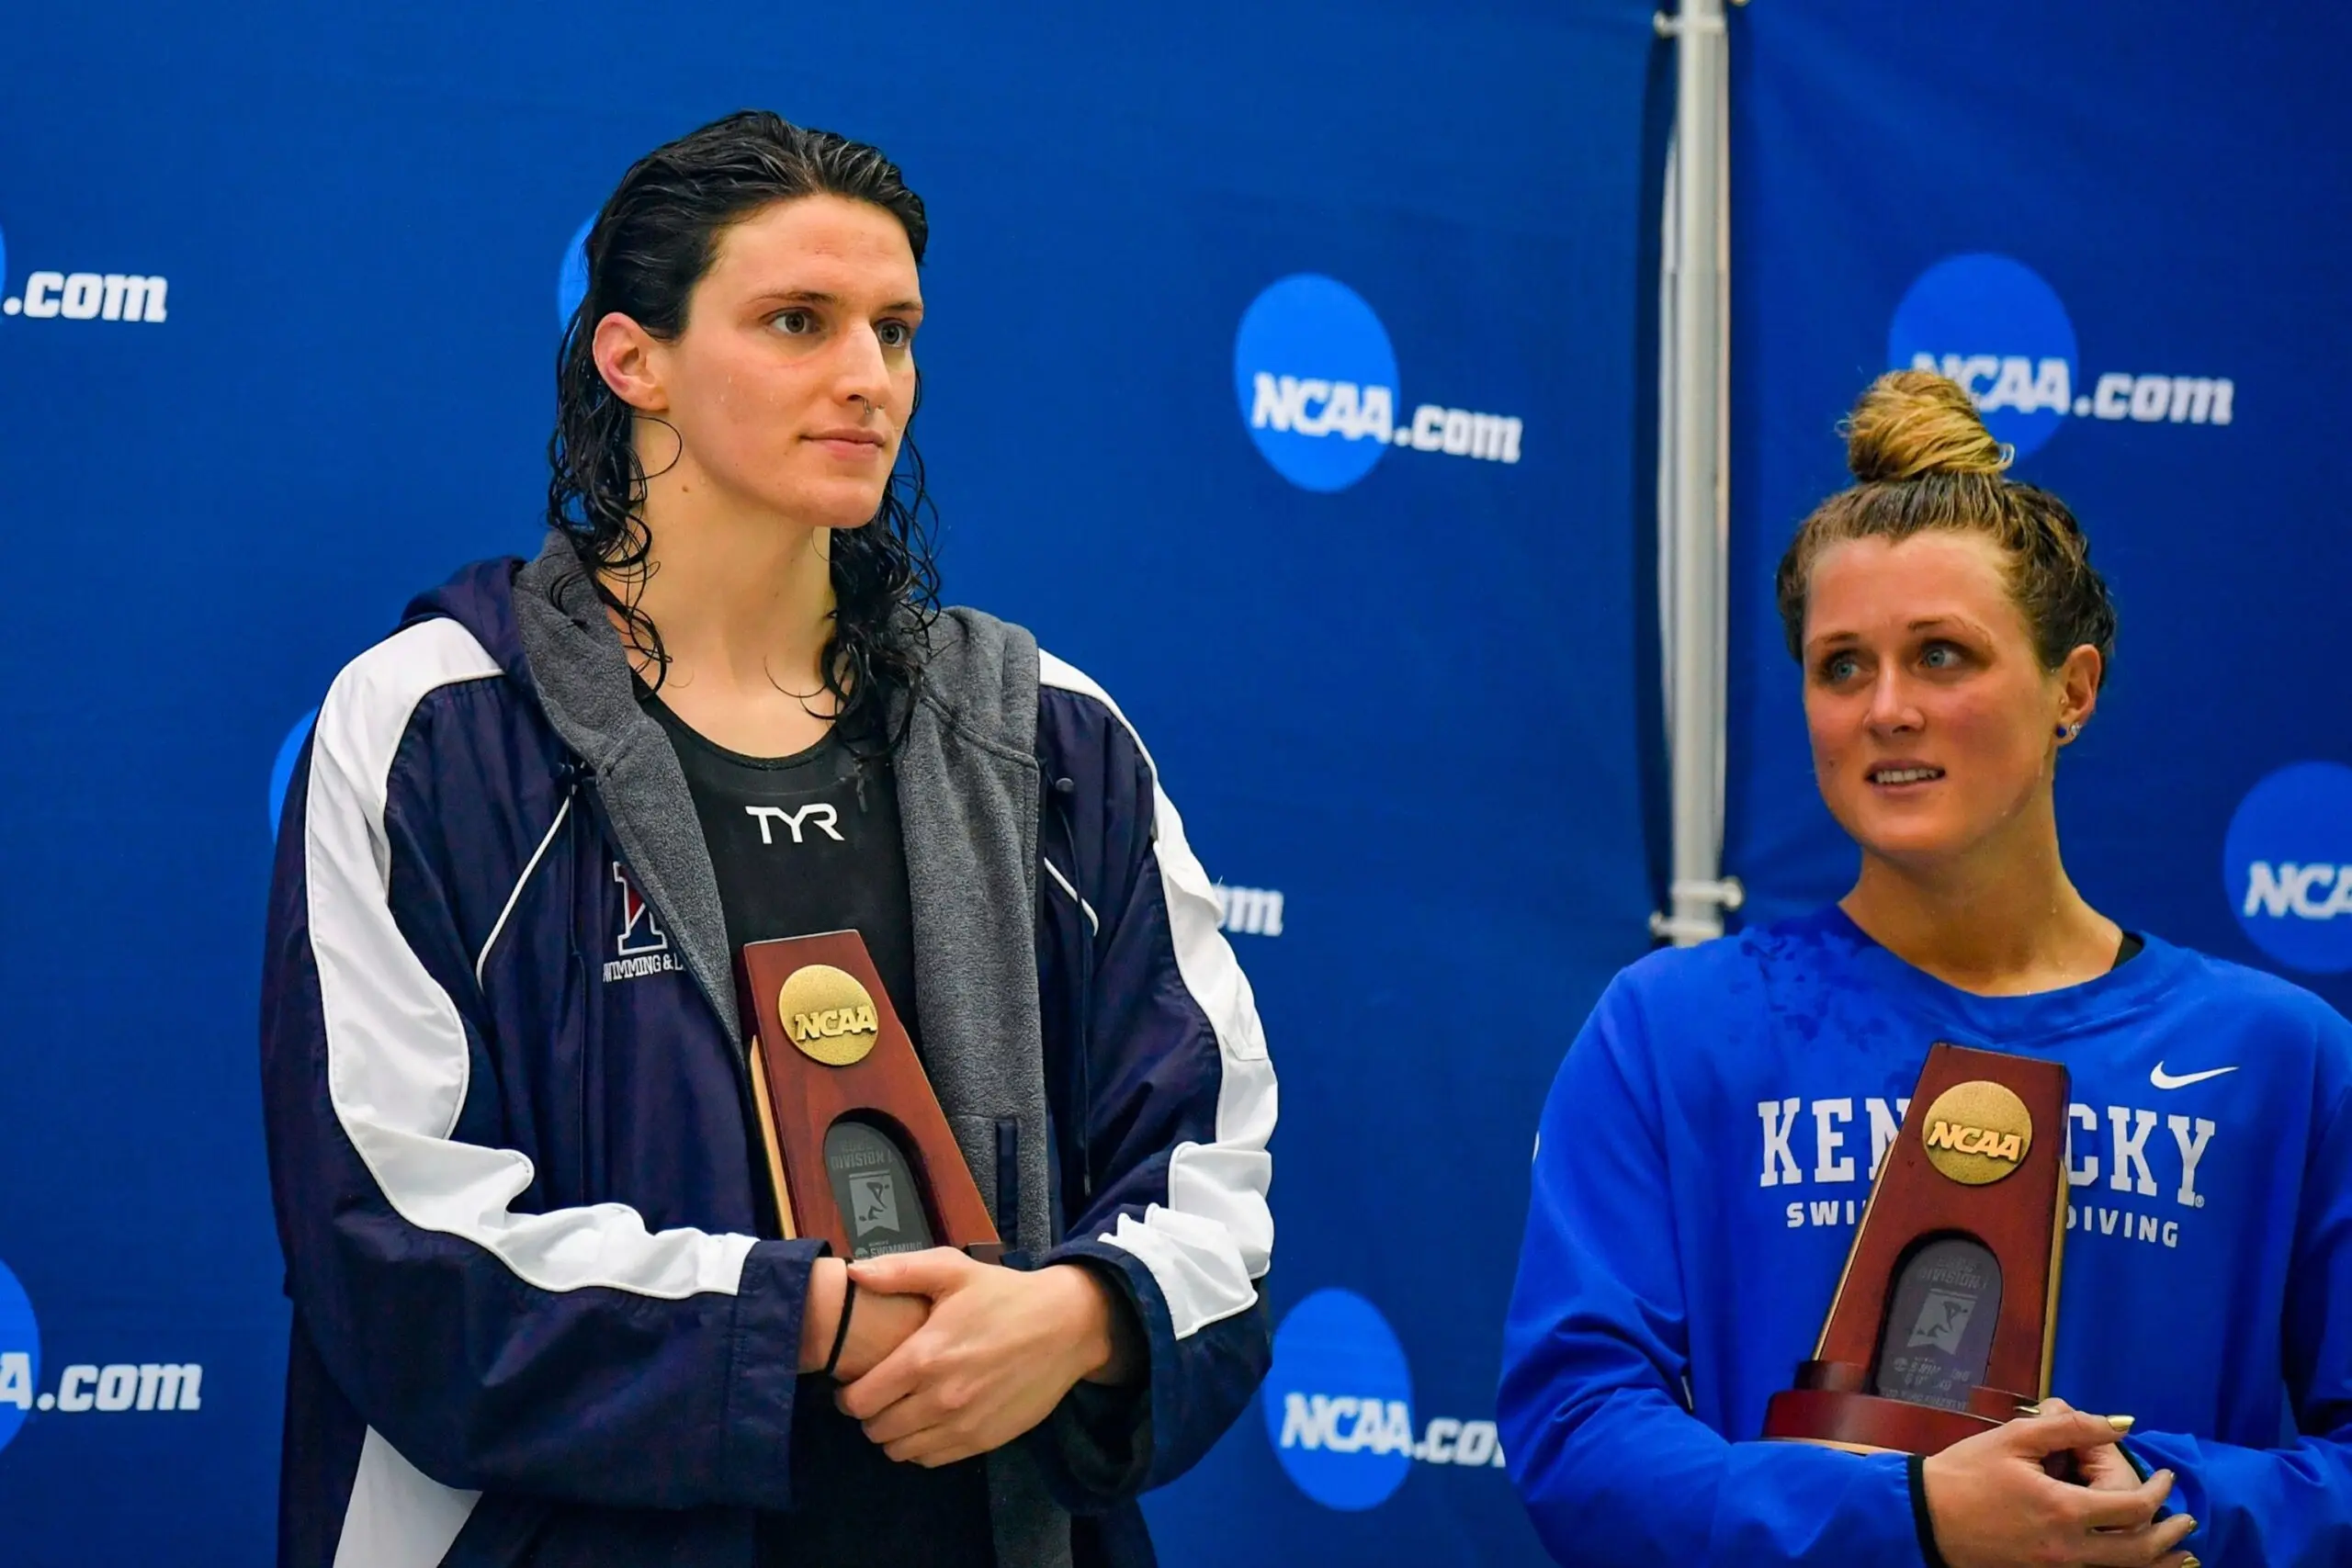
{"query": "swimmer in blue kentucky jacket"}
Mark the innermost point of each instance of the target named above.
(1714, 1131)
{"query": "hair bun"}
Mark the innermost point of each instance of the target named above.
(1911, 422)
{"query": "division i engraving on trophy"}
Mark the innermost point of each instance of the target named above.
(827, 1015)
(1977, 1133)
(875, 1190)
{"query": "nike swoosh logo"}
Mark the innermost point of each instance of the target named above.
(2163, 1079)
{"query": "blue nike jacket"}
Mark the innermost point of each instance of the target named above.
(504, 1088)
(1706, 1157)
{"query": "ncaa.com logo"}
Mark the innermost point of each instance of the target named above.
(1317, 378)
(1991, 323)
(2287, 866)
(83, 1388)
(1249, 911)
(1339, 1407)
(50, 295)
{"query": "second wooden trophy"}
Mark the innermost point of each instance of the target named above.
(858, 1151)
(1942, 1323)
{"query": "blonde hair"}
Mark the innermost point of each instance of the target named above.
(1923, 462)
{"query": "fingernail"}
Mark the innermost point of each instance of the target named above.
(2029, 1409)
(2120, 1423)
(2190, 1562)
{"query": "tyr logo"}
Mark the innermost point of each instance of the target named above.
(818, 814)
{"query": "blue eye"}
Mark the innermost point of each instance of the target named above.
(895, 334)
(1940, 656)
(1838, 667)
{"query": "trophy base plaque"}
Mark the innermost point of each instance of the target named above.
(1830, 1405)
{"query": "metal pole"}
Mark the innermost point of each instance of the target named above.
(1694, 552)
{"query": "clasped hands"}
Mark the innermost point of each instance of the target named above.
(1993, 1506)
(947, 1358)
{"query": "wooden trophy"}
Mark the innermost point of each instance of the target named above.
(1942, 1323)
(857, 1148)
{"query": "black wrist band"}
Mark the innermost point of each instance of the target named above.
(841, 1335)
(1930, 1552)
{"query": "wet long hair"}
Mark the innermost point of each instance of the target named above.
(653, 242)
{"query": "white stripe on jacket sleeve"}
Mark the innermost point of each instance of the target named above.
(396, 1059)
(1215, 1233)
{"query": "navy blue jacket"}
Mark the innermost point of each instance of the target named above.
(506, 1096)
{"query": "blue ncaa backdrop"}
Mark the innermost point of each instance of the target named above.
(2119, 233)
(1281, 371)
